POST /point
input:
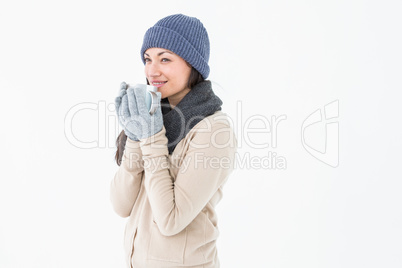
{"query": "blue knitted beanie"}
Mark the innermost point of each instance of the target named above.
(183, 35)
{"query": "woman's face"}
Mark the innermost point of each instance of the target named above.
(168, 72)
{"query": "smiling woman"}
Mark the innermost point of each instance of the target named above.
(172, 164)
(168, 72)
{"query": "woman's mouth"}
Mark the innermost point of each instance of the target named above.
(158, 83)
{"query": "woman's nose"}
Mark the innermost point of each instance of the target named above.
(153, 70)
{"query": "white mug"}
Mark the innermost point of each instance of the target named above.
(151, 99)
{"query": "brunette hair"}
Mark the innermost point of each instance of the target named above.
(194, 79)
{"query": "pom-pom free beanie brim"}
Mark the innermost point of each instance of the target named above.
(183, 35)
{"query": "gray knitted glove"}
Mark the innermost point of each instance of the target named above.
(134, 115)
(120, 107)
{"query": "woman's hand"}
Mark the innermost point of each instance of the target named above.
(119, 109)
(134, 115)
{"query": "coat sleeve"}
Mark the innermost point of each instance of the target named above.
(205, 167)
(127, 181)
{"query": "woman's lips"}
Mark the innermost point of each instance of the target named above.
(158, 83)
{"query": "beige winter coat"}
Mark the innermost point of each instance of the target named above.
(170, 199)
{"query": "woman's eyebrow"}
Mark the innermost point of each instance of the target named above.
(160, 53)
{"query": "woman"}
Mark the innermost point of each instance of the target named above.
(173, 163)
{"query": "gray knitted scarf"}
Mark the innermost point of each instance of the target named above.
(197, 104)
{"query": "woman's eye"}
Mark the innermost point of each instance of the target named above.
(147, 59)
(165, 60)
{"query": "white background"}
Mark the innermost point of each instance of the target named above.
(269, 58)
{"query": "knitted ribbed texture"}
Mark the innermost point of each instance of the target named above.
(199, 103)
(185, 36)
